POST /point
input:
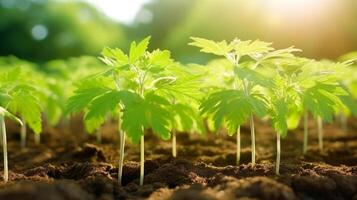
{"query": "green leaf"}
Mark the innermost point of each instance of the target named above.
(232, 107)
(293, 120)
(251, 48)
(116, 54)
(350, 104)
(209, 46)
(279, 114)
(186, 118)
(106, 103)
(53, 111)
(321, 101)
(253, 76)
(84, 94)
(26, 104)
(137, 51)
(160, 58)
(152, 115)
(103, 104)
(93, 124)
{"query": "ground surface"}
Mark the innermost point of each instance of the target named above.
(69, 165)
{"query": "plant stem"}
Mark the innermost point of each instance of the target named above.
(174, 153)
(142, 160)
(121, 154)
(252, 134)
(98, 133)
(320, 132)
(121, 149)
(238, 145)
(4, 146)
(37, 138)
(23, 133)
(277, 165)
(306, 131)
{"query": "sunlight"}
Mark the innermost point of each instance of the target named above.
(119, 10)
(293, 6)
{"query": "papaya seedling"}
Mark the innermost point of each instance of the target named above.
(319, 91)
(5, 98)
(323, 95)
(283, 101)
(181, 87)
(4, 113)
(24, 100)
(134, 76)
(243, 100)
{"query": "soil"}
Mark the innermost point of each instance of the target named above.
(70, 165)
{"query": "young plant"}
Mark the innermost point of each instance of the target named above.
(323, 95)
(24, 100)
(283, 101)
(318, 89)
(5, 99)
(235, 105)
(349, 81)
(131, 90)
(4, 113)
(183, 92)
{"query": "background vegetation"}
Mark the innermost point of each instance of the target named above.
(41, 30)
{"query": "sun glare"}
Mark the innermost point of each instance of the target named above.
(119, 10)
(293, 7)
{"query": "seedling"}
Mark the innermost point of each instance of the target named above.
(6, 98)
(283, 101)
(233, 106)
(318, 92)
(322, 94)
(182, 88)
(131, 90)
(4, 113)
(24, 101)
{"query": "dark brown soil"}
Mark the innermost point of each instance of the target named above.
(69, 165)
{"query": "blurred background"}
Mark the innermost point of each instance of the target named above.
(42, 30)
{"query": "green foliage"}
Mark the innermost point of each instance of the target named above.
(73, 29)
(27, 105)
(22, 97)
(209, 46)
(84, 94)
(279, 112)
(137, 51)
(235, 50)
(154, 115)
(321, 101)
(233, 108)
(142, 81)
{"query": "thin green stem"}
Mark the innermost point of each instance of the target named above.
(142, 141)
(320, 133)
(23, 132)
(238, 145)
(4, 146)
(306, 132)
(277, 165)
(174, 152)
(142, 160)
(121, 153)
